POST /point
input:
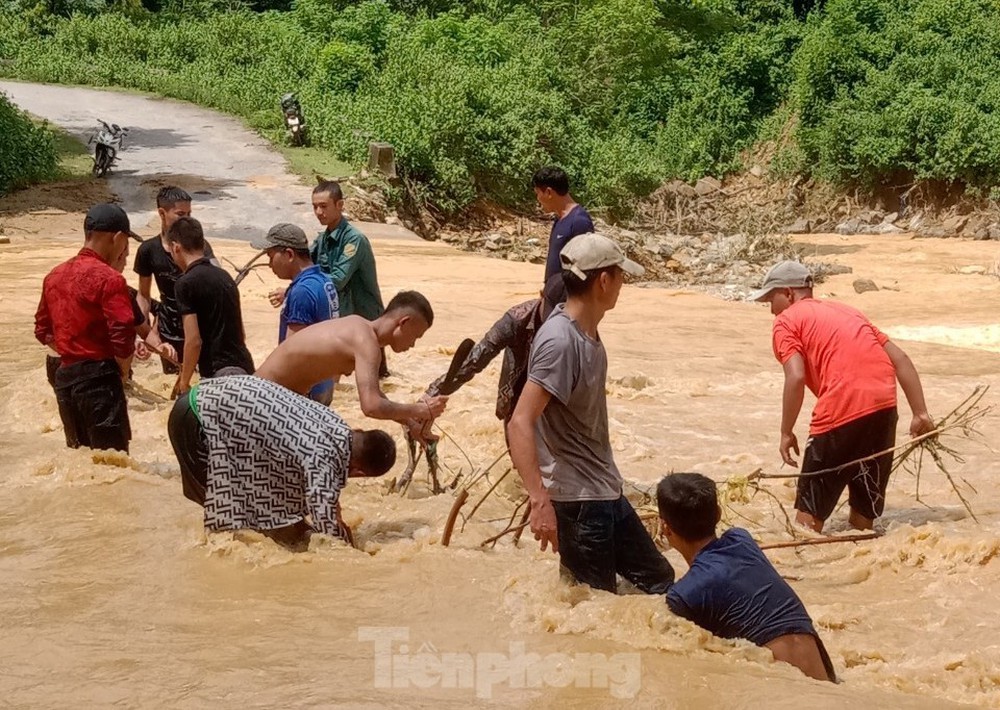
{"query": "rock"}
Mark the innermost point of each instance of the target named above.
(890, 218)
(851, 226)
(822, 271)
(684, 257)
(982, 234)
(933, 233)
(674, 265)
(4, 240)
(799, 226)
(685, 190)
(864, 285)
(916, 222)
(757, 171)
(955, 225)
(994, 231)
(870, 216)
(382, 159)
(707, 186)
(884, 228)
(533, 242)
(972, 269)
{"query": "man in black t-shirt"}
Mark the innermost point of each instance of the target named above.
(153, 261)
(551, 186)
(209, 305)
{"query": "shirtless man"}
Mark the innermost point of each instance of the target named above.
(336, 348)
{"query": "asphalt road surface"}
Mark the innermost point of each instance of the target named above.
(239, 184)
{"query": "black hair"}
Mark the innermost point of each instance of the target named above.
(303, 254)
(575, 286)
(553, 177)
(187, 232)
(170, 195)
(413, 301)
(331, 187)
(689, 504)
(374, 451)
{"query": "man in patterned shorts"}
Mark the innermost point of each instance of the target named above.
(259, 456)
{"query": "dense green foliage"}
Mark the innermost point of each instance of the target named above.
(27, 151)
(624, 94)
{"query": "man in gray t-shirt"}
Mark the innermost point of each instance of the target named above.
(559, 433)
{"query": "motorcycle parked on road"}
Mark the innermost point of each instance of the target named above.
(295, 122)
(108, 141)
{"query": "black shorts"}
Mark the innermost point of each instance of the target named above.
(866, 482)
(91, 400)
(599, 539)
(52, 363)
(190, 448)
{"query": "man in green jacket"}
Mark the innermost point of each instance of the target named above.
(343, 253)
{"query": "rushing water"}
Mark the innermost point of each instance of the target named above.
(113, 595)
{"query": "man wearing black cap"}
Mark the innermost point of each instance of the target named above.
(85, 315)
(311, 297)
(209, 304)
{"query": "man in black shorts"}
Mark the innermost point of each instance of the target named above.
(256, 455)
(209, 304)
(852, 368)
(152, 261)
(85, 315)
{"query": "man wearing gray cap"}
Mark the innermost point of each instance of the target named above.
(310, 298)
(559, 439)
(852, 368)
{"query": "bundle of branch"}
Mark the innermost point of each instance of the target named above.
(960, 422)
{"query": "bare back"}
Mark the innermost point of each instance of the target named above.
(321, 351)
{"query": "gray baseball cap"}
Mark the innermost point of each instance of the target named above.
(595, 251)
(784, 274)
(284, 235)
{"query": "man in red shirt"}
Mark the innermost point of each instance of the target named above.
(86, 316)
(852, 368)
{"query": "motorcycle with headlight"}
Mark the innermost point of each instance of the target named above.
(108, 142)
(295, 122)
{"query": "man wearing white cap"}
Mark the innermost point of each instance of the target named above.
(852, 368)
(559, 439)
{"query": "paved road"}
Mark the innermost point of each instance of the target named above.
(240, 186)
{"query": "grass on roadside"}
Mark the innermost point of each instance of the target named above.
(308, 162)
(75, 162)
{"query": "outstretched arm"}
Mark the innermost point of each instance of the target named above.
(374, 403)
(909, 380)
(500, 336)
(791, 405)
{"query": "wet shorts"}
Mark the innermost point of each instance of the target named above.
(190, 448)
(866, 482)
(91, 400)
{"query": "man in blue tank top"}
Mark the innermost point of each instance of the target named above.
(311, 297)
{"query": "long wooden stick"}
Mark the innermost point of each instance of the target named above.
(449, 526)
(820, 541)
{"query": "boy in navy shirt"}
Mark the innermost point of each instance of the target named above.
(311, 297)
(731, 589)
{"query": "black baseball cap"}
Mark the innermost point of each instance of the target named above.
(107, 217)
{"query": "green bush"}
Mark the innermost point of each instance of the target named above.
(27, 151)
(902, 90)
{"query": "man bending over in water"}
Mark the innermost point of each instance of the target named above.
(731, 589)
(336, 348)
(257, 456)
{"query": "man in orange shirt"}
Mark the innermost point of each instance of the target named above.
(852, 368)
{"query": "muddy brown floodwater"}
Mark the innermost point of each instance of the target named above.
(113, 595)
